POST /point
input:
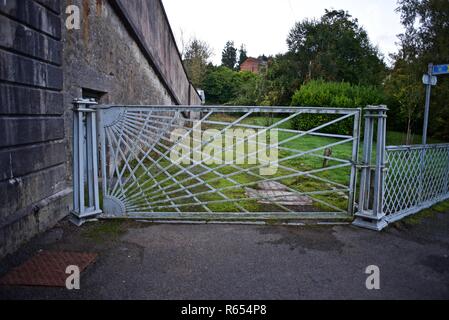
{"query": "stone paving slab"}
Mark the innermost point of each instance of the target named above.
(271, 185)
(280, 197)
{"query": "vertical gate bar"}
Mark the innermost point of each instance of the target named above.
(80, 142)
(89, 152)
(368, 162)
(75, 162)
(354, 159)
(364, 178)
(103, 151)
(380, 167)
(94, 144)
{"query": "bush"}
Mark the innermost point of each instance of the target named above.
(319, 93)
(221, 85)
(246, 89)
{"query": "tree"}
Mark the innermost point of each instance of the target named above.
(243, 54)
(405, 93)
(248, 90)
(426, 39)
(229, 55)
(221, 85)
(281, 78)
(196, 56)
(336, 48)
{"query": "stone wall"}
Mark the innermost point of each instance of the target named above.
(114, 56)
(32, 142)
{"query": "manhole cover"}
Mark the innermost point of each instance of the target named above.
(47, 268)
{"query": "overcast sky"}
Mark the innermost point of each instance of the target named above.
(263, 25)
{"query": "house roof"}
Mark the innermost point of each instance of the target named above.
(250, 59)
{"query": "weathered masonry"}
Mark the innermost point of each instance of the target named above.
(123, 53)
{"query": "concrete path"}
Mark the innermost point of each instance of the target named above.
(146, 261)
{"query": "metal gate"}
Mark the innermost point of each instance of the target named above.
(214, 163)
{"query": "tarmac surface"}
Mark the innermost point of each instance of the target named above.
(138, 260)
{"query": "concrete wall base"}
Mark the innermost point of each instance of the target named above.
(34, 219)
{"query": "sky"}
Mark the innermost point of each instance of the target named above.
(263, 25)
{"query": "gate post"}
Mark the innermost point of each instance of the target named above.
(370, 208)
(85, 162)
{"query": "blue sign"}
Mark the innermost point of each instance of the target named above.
(441, 69)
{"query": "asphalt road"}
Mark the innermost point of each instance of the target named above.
(146, 261)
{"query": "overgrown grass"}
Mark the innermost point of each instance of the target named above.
(105, 230)
(442, 207)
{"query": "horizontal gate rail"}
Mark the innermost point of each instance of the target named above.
(140, 178)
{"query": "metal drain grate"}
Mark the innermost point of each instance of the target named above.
(47, 268)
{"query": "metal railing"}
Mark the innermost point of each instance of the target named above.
(417, 177)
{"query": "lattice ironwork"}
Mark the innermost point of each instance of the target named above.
(417, 177)
(313, 174)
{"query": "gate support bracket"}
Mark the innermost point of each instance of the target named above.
(85, 162)
(370, 213)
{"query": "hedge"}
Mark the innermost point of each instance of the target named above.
(319, 93)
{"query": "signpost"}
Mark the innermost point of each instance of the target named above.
(430, 80)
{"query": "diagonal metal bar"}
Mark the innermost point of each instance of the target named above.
(281, 166)
(194, 176)
(252, 126)
(291, 139)
(285, 148)
(145, 142)
(272, 199)
(270, 179)
(118, 142)
(168, 174)
(240, 142)
(197, 178)
(184, 136)
(161, 132)
(206, 143)
(200, 180)
(129, 157)
(123, 197)
(278, 161)
(290, 189)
